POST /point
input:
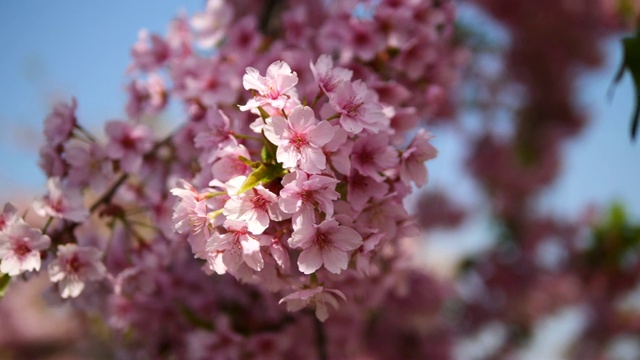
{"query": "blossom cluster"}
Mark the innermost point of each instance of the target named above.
(329, 187)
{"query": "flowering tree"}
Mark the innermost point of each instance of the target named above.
(271, 223)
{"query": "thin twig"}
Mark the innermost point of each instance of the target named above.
(321, 339)
(106, 197)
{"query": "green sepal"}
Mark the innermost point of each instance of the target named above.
(263, 114)
(263, 174)
(252, 164)
(4, 284)
(341, 188)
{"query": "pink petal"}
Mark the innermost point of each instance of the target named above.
(345, 238)
(310, 260)
(321, 133)
(335, 260)
(302, 118)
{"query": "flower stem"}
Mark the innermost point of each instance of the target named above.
(46, 225)
(86, 133)
(106, 197)
(321, 339)
(334, 116)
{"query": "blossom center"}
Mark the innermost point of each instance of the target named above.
(73, 265)
(128, 142)
(22, 248)
(365, 157)
(352, 107)
(56, 205)
(259, 202)
(306, 196)
(272, 93)
(322, 241)
(298, 141)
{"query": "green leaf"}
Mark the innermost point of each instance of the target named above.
(4, 284)
(263, 174)
(266, 155)
(253, 164)
(263, 114)
(631, 63)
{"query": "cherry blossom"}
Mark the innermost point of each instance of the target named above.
(357, 107)
(20, 247)
(8, 216)
(74, 265)
(150, 52)
(127, 143)
(237, 245)
(371, 156)
(327, 76)
(274, 89)
(317, 297)
(146, 97)
(59, 125)
(62, 202)
(327, 243)
(412, 161)
(303, 192)
(300, 139)
(190, 214)
(256, 207)
(88, 165)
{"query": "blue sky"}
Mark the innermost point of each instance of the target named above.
(58, 49)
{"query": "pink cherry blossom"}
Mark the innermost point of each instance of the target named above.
(361, 188)
(372, 155)
(412, 161)
(280, 254)
(338, 151)
(8, 216)
(51, 161)
(62, 202)
(218, 133)
(212, 83)
(256, 206)
(73, 266)
(20, 247)
(237, 245)
(243, 42)
(358, 108)
(146, 97)
(128, 143)
(274, 89)
(327, 76)
(60, 123)
(150, 52)
(211, 24)
(303, 192)
(88, 165)
(365, 41)
(300, 139)
(190, 213)
(317, 298)
(228, 164)
(325, 244)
